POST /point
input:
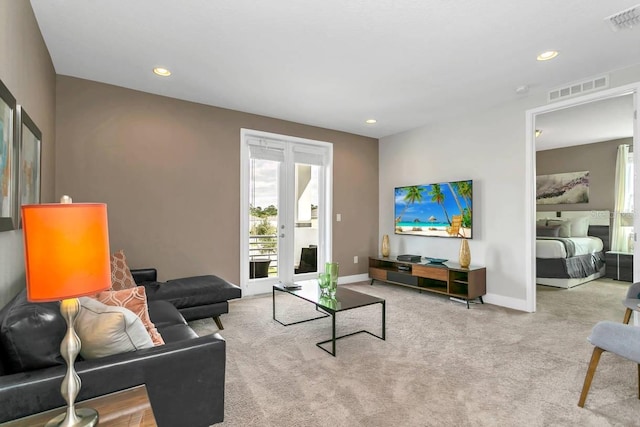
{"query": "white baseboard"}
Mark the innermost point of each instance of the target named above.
(508, 302)
(355, 278)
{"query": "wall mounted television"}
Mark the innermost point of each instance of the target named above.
(436, 210)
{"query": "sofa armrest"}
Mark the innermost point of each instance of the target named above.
(141, 275)
(184, 380)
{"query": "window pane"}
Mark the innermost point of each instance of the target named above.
(306, 235)
(263, 220)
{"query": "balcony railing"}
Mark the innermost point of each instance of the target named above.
(265, 247)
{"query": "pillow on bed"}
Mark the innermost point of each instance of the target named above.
(564, 227)
(579, 226)
(548, 231)
(542, 222)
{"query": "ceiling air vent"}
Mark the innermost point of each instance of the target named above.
(579, 88)
(625, 19)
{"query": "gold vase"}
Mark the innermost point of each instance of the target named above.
(465, 254)
(385, 246)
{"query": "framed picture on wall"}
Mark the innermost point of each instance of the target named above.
(562, 188)
(29, 157)
(8, 205)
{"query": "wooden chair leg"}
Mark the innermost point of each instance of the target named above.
(218, 322)
(595, 358)
(627, 316)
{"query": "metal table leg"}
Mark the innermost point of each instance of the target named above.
(334, 338)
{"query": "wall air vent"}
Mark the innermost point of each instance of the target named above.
(625, 19)
(578, 88)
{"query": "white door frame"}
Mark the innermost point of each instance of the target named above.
(258, 286)
(530, 178)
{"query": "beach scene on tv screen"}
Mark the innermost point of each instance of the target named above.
(438, 210)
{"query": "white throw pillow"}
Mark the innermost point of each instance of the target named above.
(105, 330)
(579, 226)
(565, 227)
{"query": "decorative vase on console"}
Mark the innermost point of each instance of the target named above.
(465, 254)
(385, 246)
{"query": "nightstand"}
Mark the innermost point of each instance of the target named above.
(619, 266)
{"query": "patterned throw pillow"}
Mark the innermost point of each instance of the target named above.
(134, 299)
(121, 277)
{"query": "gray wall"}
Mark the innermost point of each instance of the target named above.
(27, 71)
(598, 158)
(169, 173)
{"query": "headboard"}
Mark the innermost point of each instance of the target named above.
(599, 222)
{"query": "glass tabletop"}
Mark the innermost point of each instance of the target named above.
(344, 299)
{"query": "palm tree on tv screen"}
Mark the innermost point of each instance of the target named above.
(452, 188)
(438, 197)
(414, 194)
(464, 190)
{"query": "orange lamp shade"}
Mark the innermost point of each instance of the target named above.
(66, 250)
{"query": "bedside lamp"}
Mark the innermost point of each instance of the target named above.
(66, 249)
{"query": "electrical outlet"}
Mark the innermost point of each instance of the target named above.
(355, 259)
(338, 217)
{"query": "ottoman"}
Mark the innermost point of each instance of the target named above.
(196, 297)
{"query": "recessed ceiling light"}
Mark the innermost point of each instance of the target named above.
(371, 121)
(545, 56)
(163, 72)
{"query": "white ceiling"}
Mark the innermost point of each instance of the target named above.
(336, 63)
(599, 121)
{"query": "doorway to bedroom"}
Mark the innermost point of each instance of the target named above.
(584, 168)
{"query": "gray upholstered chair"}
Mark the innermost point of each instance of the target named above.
(631, 301)
(617, 338)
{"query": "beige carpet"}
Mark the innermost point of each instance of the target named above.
(441, 365)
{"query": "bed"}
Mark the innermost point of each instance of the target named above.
(570, 247)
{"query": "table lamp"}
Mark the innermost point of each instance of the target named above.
(66, 249)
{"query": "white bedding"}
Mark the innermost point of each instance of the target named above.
(554, 249)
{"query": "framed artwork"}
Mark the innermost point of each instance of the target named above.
(8, 205)
(562, 188)
(29, 170)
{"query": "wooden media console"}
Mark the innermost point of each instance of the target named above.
(448, 279)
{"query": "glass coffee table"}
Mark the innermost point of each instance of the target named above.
(345, 299)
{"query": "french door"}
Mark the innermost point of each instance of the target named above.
(285, 209)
